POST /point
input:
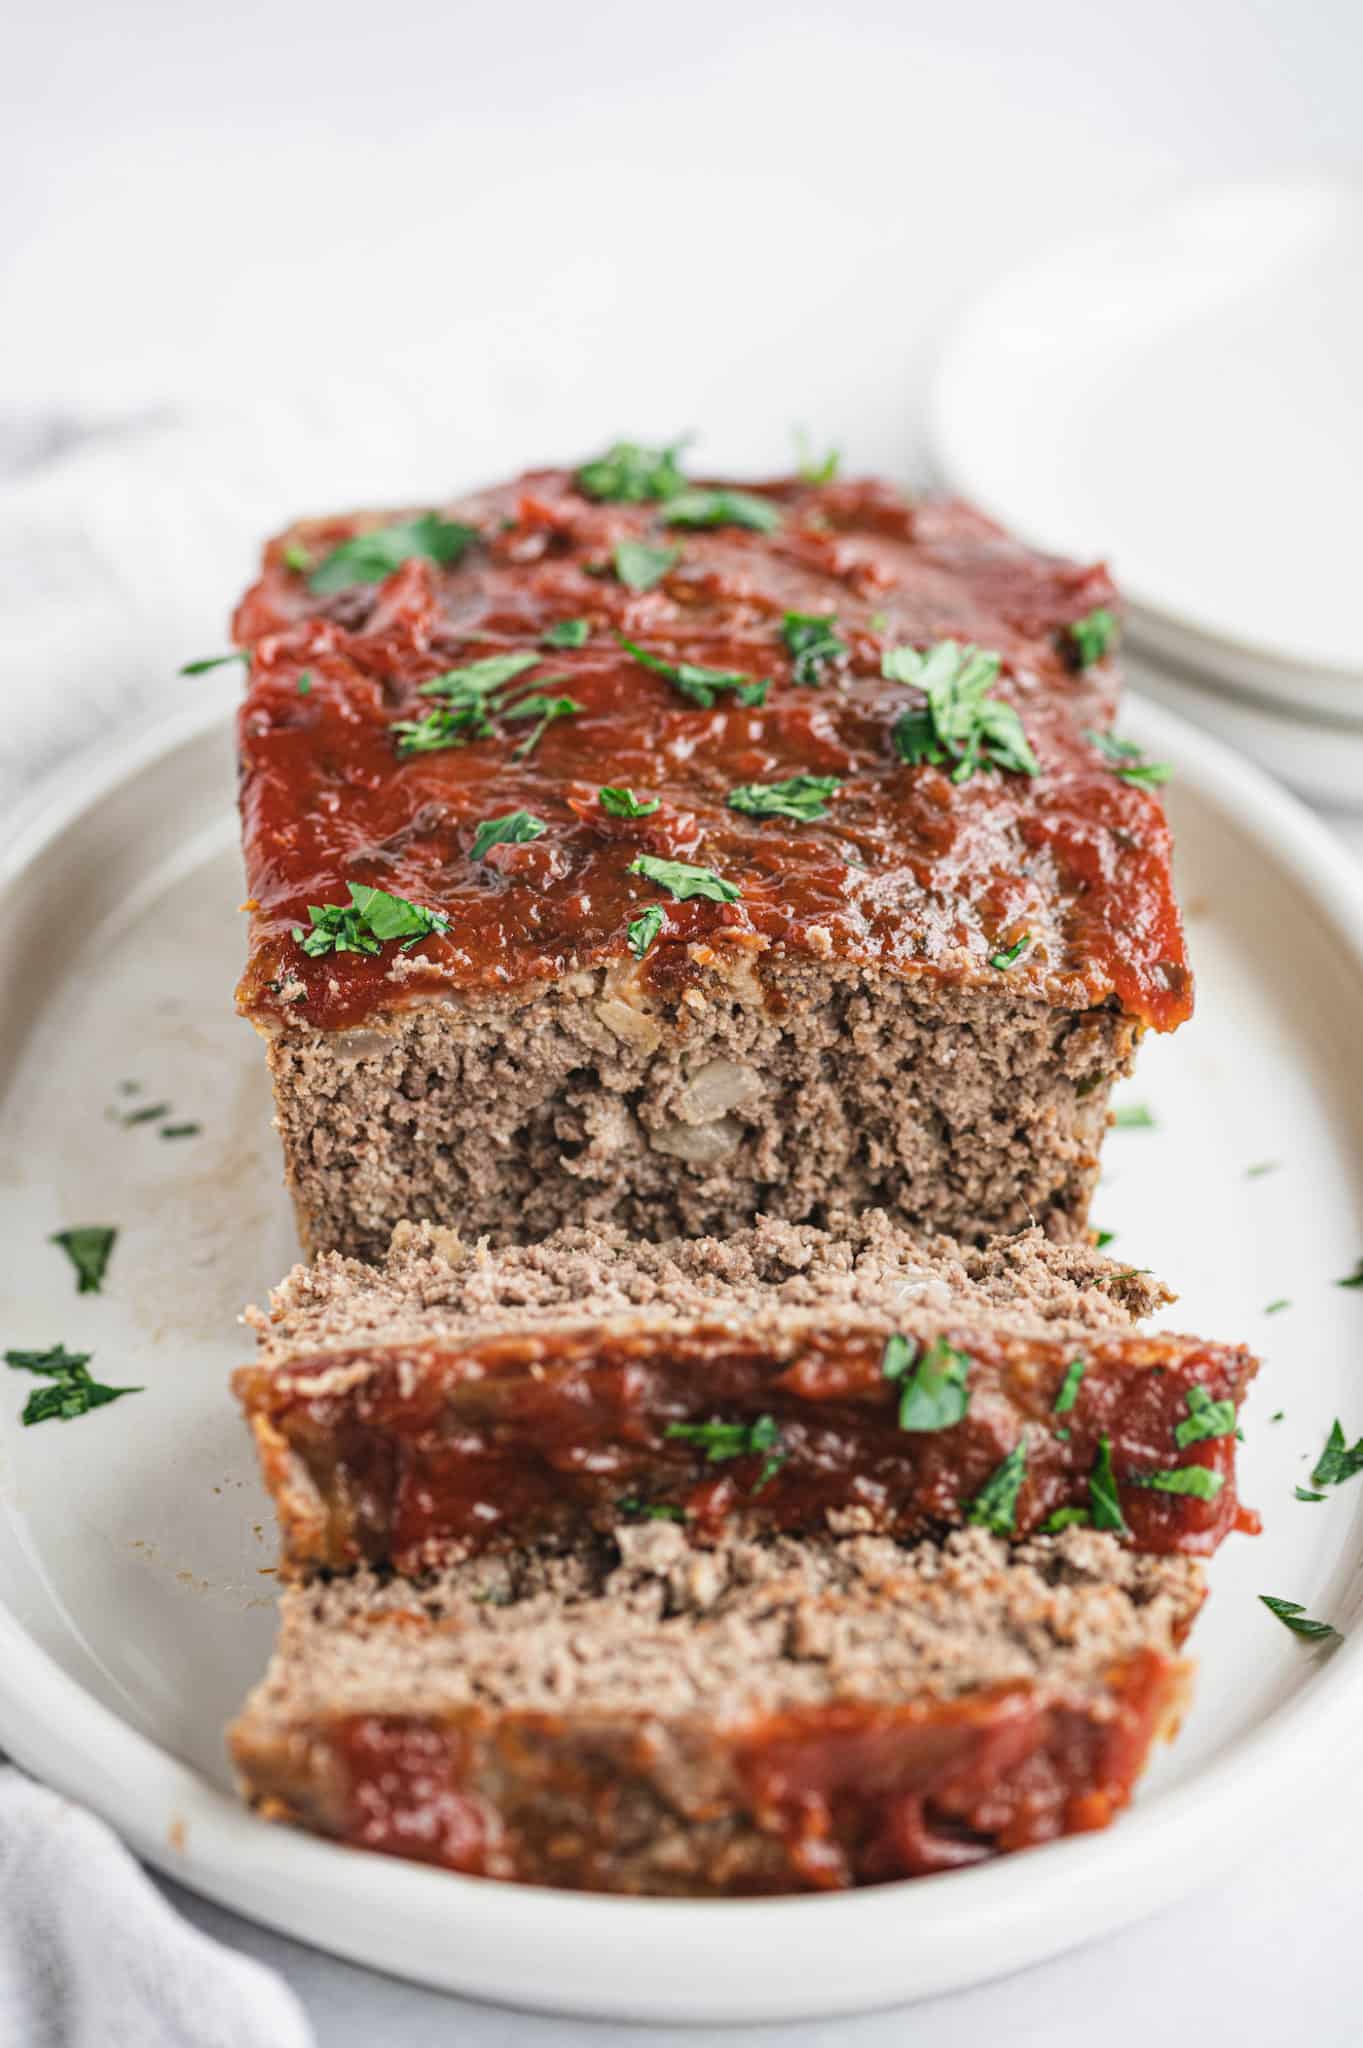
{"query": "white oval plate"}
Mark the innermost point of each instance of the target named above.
(1184, 395)
(134, 1588)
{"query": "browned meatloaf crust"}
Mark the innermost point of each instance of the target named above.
(784, 1379)
(915, 991)
(652, 1718)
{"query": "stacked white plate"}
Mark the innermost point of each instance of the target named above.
(1187, 395)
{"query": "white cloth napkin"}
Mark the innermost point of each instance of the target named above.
(91, 1956)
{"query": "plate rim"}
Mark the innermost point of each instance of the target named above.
(680, 1959)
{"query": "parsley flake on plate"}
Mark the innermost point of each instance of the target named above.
(369, 557)
(960, 723)
(1294, 1616)
(72, 1392)
(1354, 1279)
(812, 468)
(211, 661)
(364, 924)
(1133, 1116)
(683, 881)
(1339, 1460)
(88, 1247)
(802, 797)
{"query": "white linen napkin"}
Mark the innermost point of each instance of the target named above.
(91, 1956)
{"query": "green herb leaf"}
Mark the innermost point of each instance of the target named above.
(960, 722)
(815, 469)
(466, 709)
(439, 729)
(1276, 1307)
(1354, 1279)
(1294, 1616)
(1198, 1481)
(567, 633)
(1103, 1238)
(1128, 763)
(640, 566)
(179, 1130)
(369, 557)
(545, 710)
(1104, 1501)
(73, 1391)
(1065, 1518)
(88, 1248)
(304, 683)
(995, 1506)
(1069, 1387)
(478, 678)
(897, 1357)
(802, 797)
(623, 803)
(201, 668)
(651, 1510)
(1339, 1460)
(631, 473)
(149, 1113)
(935, 1392)
(1264, 1166)
(812, 642)
(722, 1441)
(1133, 1116)
(683, 881)
(56, 1361)
(370, 918)
(1302, 1493)
(513, 828)
(722, 508)
(701, 685)
(1003, 961)
(296, 557)
(1091, 637)
(642, 930)
(1206, 1418)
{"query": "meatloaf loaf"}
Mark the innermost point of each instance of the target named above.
(626, 849)
(762, 1717)
(781, 1380)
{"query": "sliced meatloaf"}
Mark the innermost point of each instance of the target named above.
(763, 1717)
(785, 1379)
(674, 857)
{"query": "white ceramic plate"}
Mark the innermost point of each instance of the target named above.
(134, 1600)
(1184, 396)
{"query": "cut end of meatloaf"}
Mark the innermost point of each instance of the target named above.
(641, 1716)
(787, 1379)
(909, 980)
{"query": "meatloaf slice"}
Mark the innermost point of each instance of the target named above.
(794, 877)
(763, 1717)
(786, 1379)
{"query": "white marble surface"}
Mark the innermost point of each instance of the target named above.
(476, 234)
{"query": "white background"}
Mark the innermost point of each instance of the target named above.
(443, 238)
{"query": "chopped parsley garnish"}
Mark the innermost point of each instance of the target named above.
(722, 508)
(623, 803)
(72, 1392)
(1294, 1616)
(513, 828)
(702, 685)
(88, 1248)
(651, 1510)
(1069, 1387)
(1339, 1460)
(1104, 1503)
(812, 643)
(201, 668)
(960, 722)
(180, 1130)
(642, 930)
(1354, 1279)
(1103, 1238)
(467, 708)
(1091, 637)
(296, 557)
(683, 881)
(815, 469)
(1004, 960)
(639, 566)
(1275, 1308)
(995, 1506)
(1065, 1518)
(477, 678)
(1264, 1166)
(631, 473)
(304, 684)
(934, 1393)
(544, 710)
(370, 918)
(724, 1440)
(1128, 762)
(369, 557)
(567, 633)
(149, 1113)
(1304, 1493)
(1206, 1418)
(802, 797)
(1197, 1480)
(1133, 1116)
